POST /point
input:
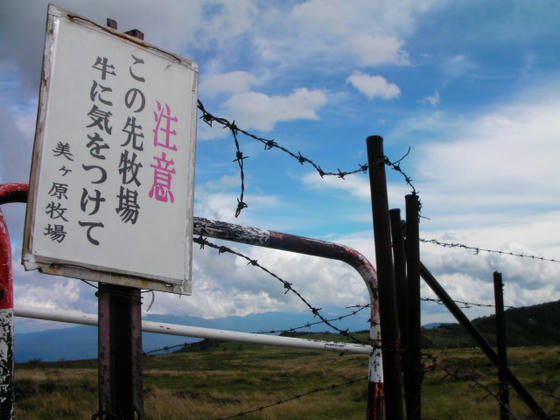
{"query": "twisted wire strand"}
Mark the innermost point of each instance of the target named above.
(270, 144)
(295, 397)
(477, 250)
(287, 285)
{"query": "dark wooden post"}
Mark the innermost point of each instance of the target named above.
(120, 343)
(502, 347)
(482, 342)
(400, 274)
(413, 354)
(386, 278)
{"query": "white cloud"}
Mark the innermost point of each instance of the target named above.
(433, 100)
(504, 158)
(376, 50)
(356, 185)
(355, 33)
(225, 285)
(374, 86)
(232, 82)
(459, 65)
(228, 21)
(260, 111)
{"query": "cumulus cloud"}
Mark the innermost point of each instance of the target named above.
(23, 22)
(225, 285)
(433, 100)
(459, 65)
(231, 82)
(376, 50)
(374, 86)
(505, 157)
(260, 111)
(356, 33)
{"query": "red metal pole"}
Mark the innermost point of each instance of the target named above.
(6, 324)
(9, 193)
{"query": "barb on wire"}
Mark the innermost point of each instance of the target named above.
(477, 250)
(166, 348)
(287, 285)
(310, 324)
(270, 144)
(463, 304)
(295, 397)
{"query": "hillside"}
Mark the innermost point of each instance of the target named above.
(225, 379)
(527, 326)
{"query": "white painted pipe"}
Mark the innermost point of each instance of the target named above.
(188, 331)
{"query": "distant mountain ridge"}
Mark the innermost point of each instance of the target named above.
(80, 342)
(531, 325)
(526, 326)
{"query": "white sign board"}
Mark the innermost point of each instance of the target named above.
(112, 178)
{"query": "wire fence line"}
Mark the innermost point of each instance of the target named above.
(296, 397)
(477, 250)
(287, 285)
(311, 324)
(464, 304)
(283, 331)
(270, 144)
(467, 372)
(358, 308)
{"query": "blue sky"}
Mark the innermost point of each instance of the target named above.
(472, 87)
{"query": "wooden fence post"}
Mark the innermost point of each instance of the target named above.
(503, 394)
(120, 342)
(414, 363)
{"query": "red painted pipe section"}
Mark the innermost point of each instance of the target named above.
(13, 192)
(9, 193)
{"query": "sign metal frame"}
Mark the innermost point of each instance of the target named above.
(31, 258)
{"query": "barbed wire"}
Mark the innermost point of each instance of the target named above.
(464, 304)
(478, 250)
(464, 371)
(166, 348)
(296, 397)
(287, 285)
(270, 144)
(284, 331)
(311, 324)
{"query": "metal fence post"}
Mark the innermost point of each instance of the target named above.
(9, 193)
(6, 324)
(386, 279)
(501, 345)
(120, 342)
(414, 363)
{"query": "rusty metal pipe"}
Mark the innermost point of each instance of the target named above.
(318, 248)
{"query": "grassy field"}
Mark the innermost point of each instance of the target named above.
(229, 378)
